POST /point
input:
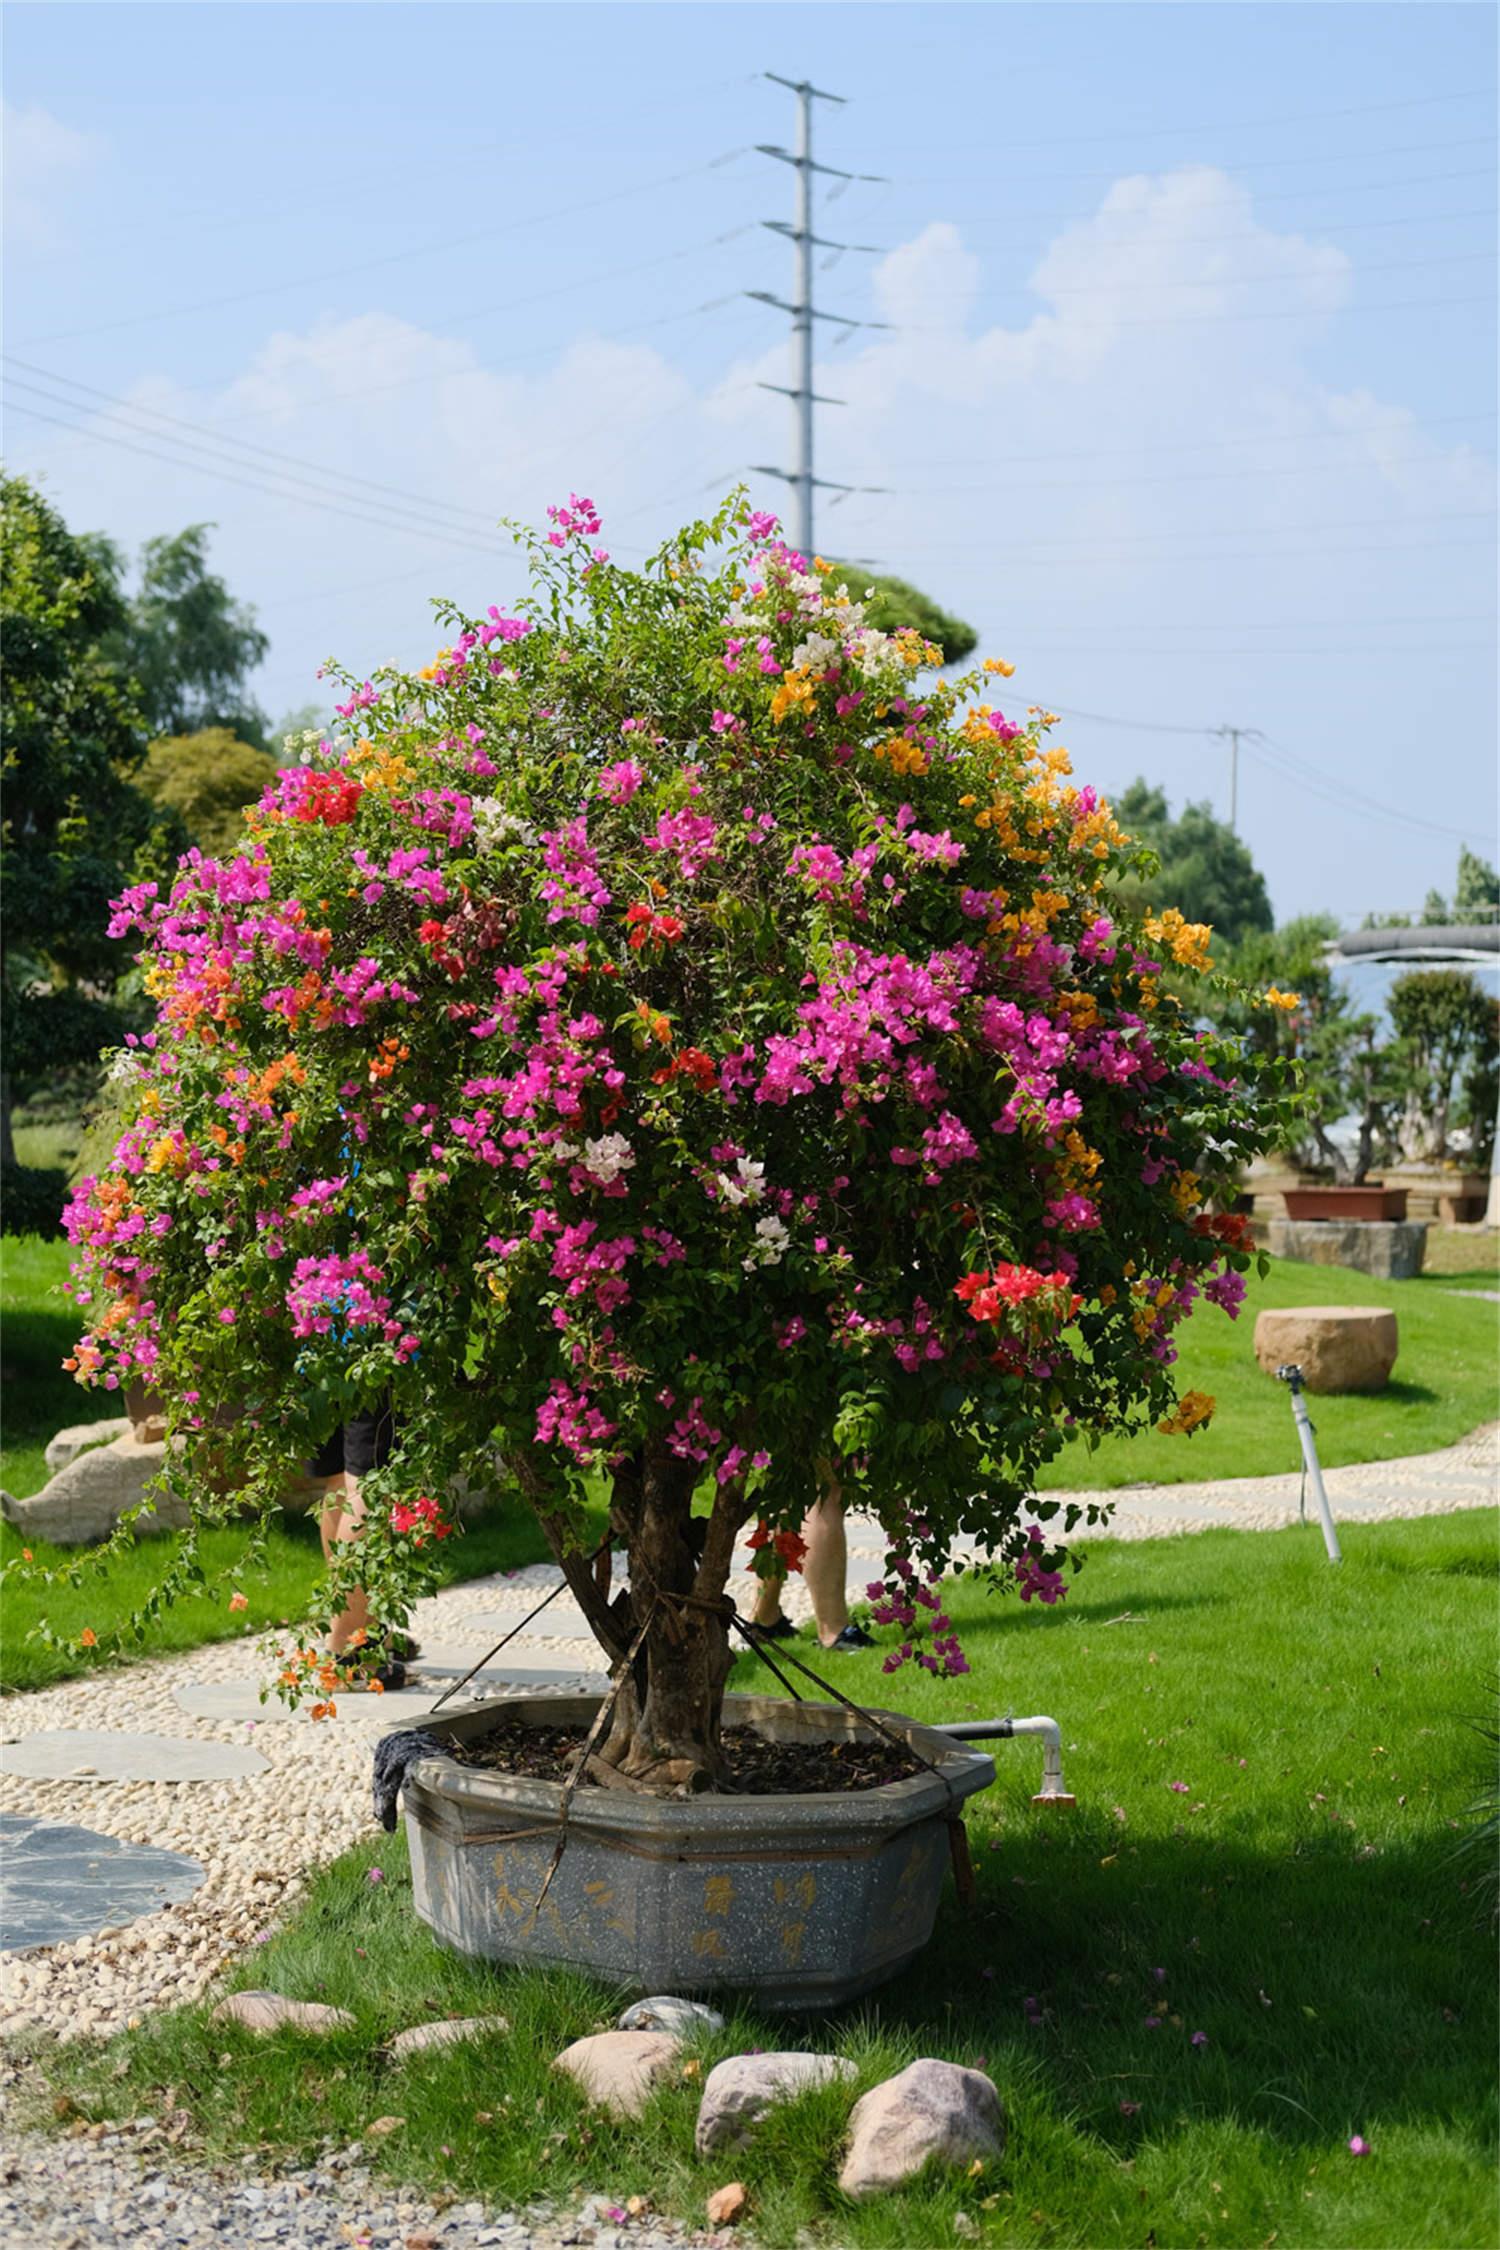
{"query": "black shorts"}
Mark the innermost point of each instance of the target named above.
(363, 1443)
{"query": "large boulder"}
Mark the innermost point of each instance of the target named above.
(83, 1502)
(1337, 1347)
(930, 2110)
(737, 2093)
(82, 1437)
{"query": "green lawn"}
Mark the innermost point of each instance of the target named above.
(39, 1399)
(1299, 1904)
(1443, 1386)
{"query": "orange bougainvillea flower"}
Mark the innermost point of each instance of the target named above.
(239, 1601)
(88, 1638)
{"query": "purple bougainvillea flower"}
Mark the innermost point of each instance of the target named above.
(1153, 2023)
(376, 1875)
(1199, 2039)
(1130, 2109)
(1160, 1975)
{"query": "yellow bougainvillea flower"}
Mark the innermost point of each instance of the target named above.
(1195, 1410)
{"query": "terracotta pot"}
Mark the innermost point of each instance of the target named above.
(1371, 1201)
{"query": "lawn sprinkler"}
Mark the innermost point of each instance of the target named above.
(1054, 1793)
(1292, 1377)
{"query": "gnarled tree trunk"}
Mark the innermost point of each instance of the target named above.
(663, 1731)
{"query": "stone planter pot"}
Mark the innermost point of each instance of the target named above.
(802, 1902)
(1373, 1201)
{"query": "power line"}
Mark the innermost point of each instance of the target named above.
(983, 233)
(446, 534)
(1278, 760)
(1222, 125)
(217, 443)
(388, 258)
(1200, 320)
(1026, 212)
(1254, 164)
(1403, 421)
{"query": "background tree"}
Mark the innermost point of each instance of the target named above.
(1445, 1023)
(1204, 869)
(76, 828)
(1347, 1070)
(895, 604)
(1476, 891)
(186, 642)
(208, 779)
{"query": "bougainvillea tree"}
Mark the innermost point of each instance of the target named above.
(675, 1039)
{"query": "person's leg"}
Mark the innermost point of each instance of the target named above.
(768, 1611)
(342, 1514)
(826, 1563)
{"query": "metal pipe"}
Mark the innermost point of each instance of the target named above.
(1053, 1790)
(1293, 1378)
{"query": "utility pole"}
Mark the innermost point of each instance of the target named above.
(802, 309)
(1232, 735)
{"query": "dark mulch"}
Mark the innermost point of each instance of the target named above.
(755, 1766)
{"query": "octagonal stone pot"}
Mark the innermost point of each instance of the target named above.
(801, 1902)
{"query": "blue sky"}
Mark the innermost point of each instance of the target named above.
(1186, 398)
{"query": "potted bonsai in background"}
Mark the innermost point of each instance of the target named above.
(673, 1039)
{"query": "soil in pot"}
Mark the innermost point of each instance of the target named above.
(755, 1766)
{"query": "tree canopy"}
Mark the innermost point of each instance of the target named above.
(677, 1036)
(76, 827)
(1204, 869)
(187, 643)
(208, 779)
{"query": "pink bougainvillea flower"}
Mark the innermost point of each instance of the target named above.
(1359, 2146)
(1199, 2039)
(1179, 1788)
(1130, 2109)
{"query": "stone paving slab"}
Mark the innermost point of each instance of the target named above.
(561, 1622)
(58, 1883)
(95, 1755)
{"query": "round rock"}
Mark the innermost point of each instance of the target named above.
(932, 2109)
(1337, 1347)
(665, 2012)
(738, 2092)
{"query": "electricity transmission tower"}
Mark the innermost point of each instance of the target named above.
(802, 309)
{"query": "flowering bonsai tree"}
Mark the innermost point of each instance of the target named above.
(675, 1039)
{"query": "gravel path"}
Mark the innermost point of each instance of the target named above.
(125, 2187)
(260, 1836)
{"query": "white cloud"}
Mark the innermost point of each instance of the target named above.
(42, 157)
(1143, 490)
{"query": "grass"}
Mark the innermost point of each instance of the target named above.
(1443, 1387)
(1302, 1898)
(275, 1592)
